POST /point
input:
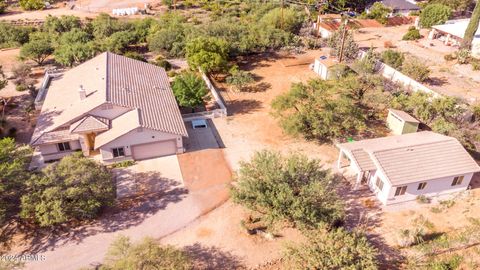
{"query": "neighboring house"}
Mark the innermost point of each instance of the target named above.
(452, 33)
(400, 7)
(326, 26)
(400, 168)
(322, 66)
(111, 107)
(401, 122)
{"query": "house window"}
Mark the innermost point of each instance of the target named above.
(379, 183)
(457, 180)
(64, 146)
(422, 185)
(118, 152)
(400, 190)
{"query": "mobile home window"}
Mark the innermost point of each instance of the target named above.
(400, 190)
(64, 146)
(118, 152)
(379, 183)
(457, 180)
(422, 185)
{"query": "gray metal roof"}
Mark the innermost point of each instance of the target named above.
(400, 5)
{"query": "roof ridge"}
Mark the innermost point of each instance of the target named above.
(413, 145)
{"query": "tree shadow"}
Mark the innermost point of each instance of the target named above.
(257, 88)
(152, 193)
(243, 106)
(363, 211)
(212, 258)
(437, 81)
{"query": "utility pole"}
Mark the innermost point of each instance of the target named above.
(281, 19)
(344, 34)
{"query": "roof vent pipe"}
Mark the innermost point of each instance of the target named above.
(82, 92)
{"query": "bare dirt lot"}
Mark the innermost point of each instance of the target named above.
(447, 77)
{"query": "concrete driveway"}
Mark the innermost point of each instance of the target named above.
(155, 203)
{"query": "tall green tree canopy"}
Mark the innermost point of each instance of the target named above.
(434, 14)
(350, 48)
(320, 110)
(288, 188)
(38, 48)
(379, 12)
(210, 54)
(74, 188)
(189, 90)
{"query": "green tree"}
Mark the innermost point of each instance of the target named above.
(434, 14)
(335, 249)
(239, 79)
(74, 48)
(415, 69)
(472, 27)
(457, 5)
(210, 54)
(104, 26)
(288, 188)
(74, 188)
(350, 48)
(367, 64)
(14, 172)
(62, 24)
(393, 58)
(147, 254)
(379, 12)
(320, 110)
(289, 19)
(32, 4)
(412, 34)
(13, 36)
(38, 49)
(118, 42)
(189, 90)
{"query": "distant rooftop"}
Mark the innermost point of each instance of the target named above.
(455, 28)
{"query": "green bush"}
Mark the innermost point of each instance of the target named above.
(189, 90)
(135, 55)
(412, 34)
(32, 4)
(239, 79)
(434, 14)
(379, 12)
(393, 58)
(336, 249)
(3, 6)
(463, 56)
(288, 188)
(74, 188)
(415, 69)
(146, 254)
(162, 62)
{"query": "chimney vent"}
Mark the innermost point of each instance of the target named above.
(82, 93)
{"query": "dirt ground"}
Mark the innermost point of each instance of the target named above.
(447, 77)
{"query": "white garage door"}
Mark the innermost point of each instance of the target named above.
(152, 150)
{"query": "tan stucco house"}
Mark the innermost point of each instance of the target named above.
(402, 167)
(112, 107)
(401, 122)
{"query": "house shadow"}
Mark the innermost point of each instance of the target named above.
(363, 212)
(212, 258)
(153, 193)
(244, 106)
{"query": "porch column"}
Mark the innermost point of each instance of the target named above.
(358, 181)
(339, 161)
(85, 145)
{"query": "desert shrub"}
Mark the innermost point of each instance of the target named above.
(288, 188)
(434, 14)
(423, 199)
(22, 76)
(393, 58)
(475, 64)
(442, 126)
(379, 12)
(335, 249)
(463, 56)
(74, 188)
(289, 20)
(32, 4)
(367, 64)
(411, 237)
(449, 57)
(339, 71)
(162, 62)
(412, 34)
(388, 44)
(3, 6)
(123, 164)
(451, 263)
(146, 254)
(415, 69)
(239, 79)
(208, 54)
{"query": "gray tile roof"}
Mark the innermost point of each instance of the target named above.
(412, 157)
(400, 5)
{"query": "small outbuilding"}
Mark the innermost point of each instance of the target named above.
(322, 66)
(401, 122)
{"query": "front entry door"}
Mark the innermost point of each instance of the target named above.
(91, 141)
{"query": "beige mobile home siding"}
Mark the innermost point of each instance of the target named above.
(50, 151)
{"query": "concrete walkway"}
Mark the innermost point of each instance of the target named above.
(168, 209)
